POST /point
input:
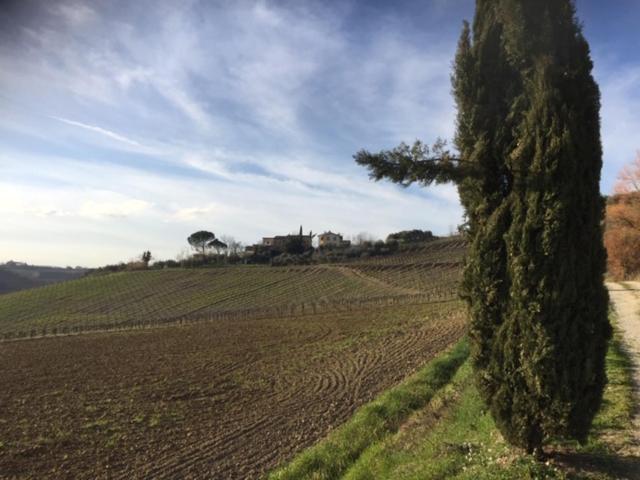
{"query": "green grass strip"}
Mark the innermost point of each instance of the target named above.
(465, 444)
(613, 423)
(381, 458)
(374, 421)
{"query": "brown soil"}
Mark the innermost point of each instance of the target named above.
(229, 399)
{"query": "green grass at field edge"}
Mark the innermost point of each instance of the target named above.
(375, 421)
(452, 436)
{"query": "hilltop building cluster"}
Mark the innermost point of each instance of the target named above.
(281, 243)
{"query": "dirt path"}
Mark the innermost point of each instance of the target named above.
(625, 297)
(353, 273)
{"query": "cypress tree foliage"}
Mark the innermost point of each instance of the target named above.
(528, 170)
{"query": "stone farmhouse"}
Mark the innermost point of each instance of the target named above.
(279, 242)
(330, 239)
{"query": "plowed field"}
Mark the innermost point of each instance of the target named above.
(228, 399)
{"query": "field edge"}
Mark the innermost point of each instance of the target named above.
(374, 421)
(451, 435)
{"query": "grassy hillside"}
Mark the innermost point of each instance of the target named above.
(414, 275)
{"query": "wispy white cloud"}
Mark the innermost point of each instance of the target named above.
(400, 90)
(194, 213)
(74, 13)
(214, 162)
(128, 77)
(238, 117)
(80, 202)
(118, 208)
(100, 130)
(158, 212)
(186, 104)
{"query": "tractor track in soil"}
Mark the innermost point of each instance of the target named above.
(224, 399)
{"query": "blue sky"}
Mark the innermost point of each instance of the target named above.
(126, 126)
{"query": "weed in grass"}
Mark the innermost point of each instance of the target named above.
(96, 424)
(113, 440)
(138, 418)
(154, 420)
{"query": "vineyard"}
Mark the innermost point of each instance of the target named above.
(156, 297)
(450, 249)
(252, 364)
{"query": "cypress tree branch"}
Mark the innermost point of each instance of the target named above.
(417, 163)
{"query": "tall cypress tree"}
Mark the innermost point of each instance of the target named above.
(527, 168)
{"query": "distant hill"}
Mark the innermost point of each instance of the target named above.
(12, 282)
(15, 276)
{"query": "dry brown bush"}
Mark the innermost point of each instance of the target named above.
(622, 235)
(629, 177)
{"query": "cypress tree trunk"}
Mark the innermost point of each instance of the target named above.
(528, 137)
